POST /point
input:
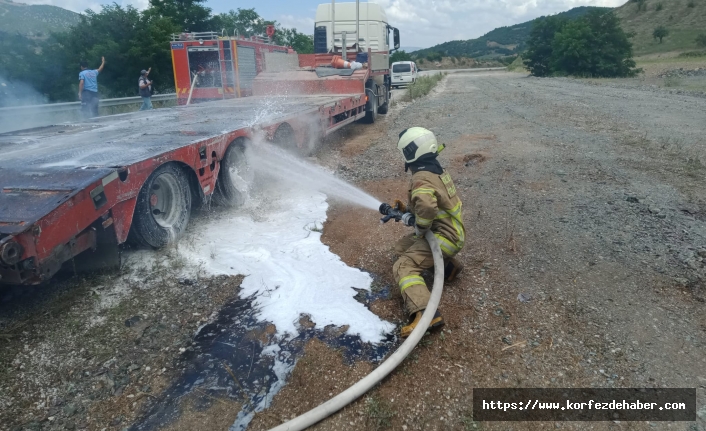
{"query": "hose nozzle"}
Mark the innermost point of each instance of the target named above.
(393, 213)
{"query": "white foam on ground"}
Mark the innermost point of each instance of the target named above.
(287, 267)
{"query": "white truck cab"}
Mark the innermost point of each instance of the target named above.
(403, 73)
(336, 22)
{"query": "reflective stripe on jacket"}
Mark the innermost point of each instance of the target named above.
(434, 203)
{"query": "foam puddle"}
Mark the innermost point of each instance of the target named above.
(289, 270)
(275, 242)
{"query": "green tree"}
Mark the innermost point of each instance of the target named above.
(129, 40)
(188, 15)
(242, 22)
(301, 43)
(594, 45)
(660, 33)
(701, 40)
(400, 56)
(538, 57)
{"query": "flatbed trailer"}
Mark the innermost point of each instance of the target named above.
(85, 188)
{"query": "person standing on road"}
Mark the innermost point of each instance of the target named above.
(436, 206)
(88, 88)
(145, 87)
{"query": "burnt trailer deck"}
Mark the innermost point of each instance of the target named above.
(72, 188)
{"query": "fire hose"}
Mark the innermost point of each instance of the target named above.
(357, 390)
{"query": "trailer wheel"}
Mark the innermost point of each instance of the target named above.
(234, 177)
(286, 138)
(163, 208)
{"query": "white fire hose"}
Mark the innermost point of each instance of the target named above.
(354, 392)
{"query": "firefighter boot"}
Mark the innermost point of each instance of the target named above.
(452, 269)
(436, 322)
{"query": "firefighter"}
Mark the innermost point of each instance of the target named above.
(435, 204)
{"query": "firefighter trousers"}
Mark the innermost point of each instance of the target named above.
(414, 257)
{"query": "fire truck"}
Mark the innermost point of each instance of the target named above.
(211, 67)
(70, 194)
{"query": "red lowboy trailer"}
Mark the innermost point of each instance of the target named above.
(72, 193)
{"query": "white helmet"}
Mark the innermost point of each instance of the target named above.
(415, 142)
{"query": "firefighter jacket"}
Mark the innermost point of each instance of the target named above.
(435, 204)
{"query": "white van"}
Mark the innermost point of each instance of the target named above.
(403, 73)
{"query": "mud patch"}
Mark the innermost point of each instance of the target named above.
(473, 159)
(227, 362)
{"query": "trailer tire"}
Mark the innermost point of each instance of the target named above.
(163, 208)
(234, 177)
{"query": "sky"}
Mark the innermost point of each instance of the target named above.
(422, 23)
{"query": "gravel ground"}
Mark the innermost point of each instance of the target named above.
(587, 199)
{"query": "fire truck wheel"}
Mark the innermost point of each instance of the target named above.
(234, 177)
(163, 208)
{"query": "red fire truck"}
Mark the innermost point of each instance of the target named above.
(72, 193)
(208, 67)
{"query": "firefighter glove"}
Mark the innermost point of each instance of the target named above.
(400, 206)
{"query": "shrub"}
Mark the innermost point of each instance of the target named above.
(659, 7)
(423, 86)
(517, 65)
(693, 54)
(691, 4)
(701, 40)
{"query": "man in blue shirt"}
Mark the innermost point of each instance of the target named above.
(88, 88)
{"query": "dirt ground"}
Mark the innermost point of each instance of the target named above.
(586, 199)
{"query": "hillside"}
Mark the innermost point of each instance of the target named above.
(683, 22)
(499, 42)
(34, 20)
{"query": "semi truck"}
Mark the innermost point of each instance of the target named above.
(71, 194)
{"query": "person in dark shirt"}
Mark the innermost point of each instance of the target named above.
(145, 87)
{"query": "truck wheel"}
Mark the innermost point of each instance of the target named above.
(163, 208)
(371, 111)
(383, 108)
(234, 177)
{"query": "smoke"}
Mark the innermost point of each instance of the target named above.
(14, 94)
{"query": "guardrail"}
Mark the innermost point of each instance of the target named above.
(71, 106)
(30, 116)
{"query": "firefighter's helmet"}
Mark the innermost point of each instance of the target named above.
(416, 142)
